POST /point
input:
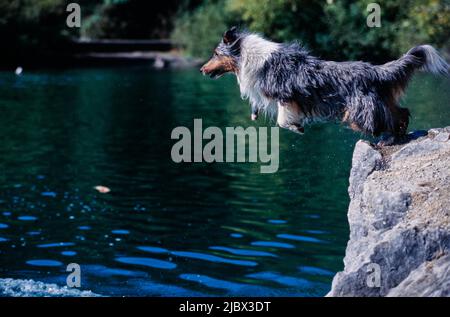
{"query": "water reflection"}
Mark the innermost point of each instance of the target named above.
(212, 258)
(273, 244)
(149, 262)
(55, 245)
(243, 252)
(48, 263)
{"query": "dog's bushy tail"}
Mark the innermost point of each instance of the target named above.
(392, 79)
(395, 75)
(428, 59)
(422, 57)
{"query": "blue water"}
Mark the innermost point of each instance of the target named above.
(165, 228)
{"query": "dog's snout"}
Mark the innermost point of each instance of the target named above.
(202, 69)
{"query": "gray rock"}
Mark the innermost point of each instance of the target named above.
(442, 137)
(429, 279)
(31, 288)
(399, 218)
(365, 160)
(420, 148)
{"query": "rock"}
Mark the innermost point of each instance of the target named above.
(30, 288)
(421, 148)
(429, 279)
(399, 218)
(442, 137)
(366, 159)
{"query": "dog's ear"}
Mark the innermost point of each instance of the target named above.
(230, 36)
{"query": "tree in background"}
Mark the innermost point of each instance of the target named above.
(427, 21)
(404, 24)
(35, 29)
(199, 31)
(331, 29)
(28, 26)
(283, 20)
(349, 36)
(134, 19)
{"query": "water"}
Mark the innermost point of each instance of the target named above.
(165, 228)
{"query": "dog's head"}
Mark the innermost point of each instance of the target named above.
(226, 55)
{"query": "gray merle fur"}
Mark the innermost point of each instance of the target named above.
(364, 95)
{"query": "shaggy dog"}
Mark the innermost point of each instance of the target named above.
(285, 79)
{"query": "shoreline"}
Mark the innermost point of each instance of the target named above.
(152, 59)
(158, 54)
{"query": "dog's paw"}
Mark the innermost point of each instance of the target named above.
(388, 141)
(296, 128)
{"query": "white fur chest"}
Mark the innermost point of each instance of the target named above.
(254, 53)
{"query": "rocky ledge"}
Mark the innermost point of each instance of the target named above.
(399, 218)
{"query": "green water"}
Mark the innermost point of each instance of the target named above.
(166, 228)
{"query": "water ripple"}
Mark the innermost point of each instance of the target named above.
(44, 262)
(154, 263)
(56, 245)
(48, 194)
(277, 221)
(104, 271)
(120, 231)
(273, 244)
(233, 288)
(27, 218)
(314, 270)
(212, 258)
(69, 253)
(242, 251)
(281, 279)
(299, 238)
(152, 249)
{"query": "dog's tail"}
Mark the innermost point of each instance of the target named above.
(396, 74)
(428, 59)
(422, 57)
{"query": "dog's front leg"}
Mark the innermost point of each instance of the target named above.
(288, 117)
(255, 113)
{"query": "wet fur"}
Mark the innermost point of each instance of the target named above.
(284, 79)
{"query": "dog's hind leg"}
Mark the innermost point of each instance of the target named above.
(387, 139)
(290, 117)
(401, 122)
(396, 118)
(352, 125)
